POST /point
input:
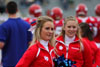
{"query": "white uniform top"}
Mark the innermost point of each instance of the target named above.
(45, 44)
(68, 40)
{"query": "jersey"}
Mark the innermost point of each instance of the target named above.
(97, 25)
(58, 26)
(32, 22)
(90, 21)
(14, 33)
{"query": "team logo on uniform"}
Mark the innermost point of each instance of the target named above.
(75, 48)
(60, 47)
(46, 58)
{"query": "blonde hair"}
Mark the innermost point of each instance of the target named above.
(71, 18)
(40, 22)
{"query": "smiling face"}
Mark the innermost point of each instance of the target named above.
(47, 31)
(71, 28)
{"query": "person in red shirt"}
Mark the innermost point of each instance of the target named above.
(87, 35)
(82, 17)
(97, 24)
(69, 44)
(41, 51)
(35, 11)
(57, 15)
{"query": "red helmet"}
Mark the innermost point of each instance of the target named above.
(35, 10)
(97, 9)
(81, 9)
(56, 13)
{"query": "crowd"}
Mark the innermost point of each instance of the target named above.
(36, 41)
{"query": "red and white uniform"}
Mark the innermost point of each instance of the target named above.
(57, 14)
(32, 22)
(95, 52)
(83, 58)
(90, 21)
(35, 11)
(37, 56)
(81, 13)
(58, 26)
(97, 24)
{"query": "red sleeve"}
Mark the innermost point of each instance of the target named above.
(97, 59)
(28, 57)
(87, 55)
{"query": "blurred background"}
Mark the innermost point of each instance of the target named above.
(68, 6)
